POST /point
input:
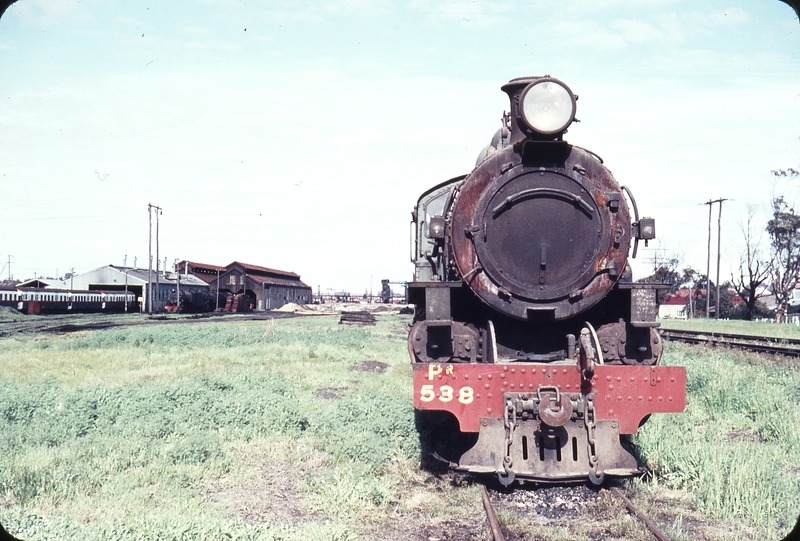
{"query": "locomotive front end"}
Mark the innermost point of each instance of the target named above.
(528, 328)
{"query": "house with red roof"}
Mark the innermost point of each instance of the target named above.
(674, 306)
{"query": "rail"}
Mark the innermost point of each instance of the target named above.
(497, 534)
(494, 524)
(658, 534)
(775, 346)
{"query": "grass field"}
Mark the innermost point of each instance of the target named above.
(734, 326)
(303, 429)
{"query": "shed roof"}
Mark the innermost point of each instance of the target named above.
(272, 281)
(35, 283)
(257, 269)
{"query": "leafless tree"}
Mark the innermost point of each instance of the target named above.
(754, 271)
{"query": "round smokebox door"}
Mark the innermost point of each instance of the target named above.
(540, 236)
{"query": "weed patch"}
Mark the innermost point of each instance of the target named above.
(304, 429)
(732, 447)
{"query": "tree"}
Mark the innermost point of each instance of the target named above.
(694, 281)
(665, 271)
(753, 271)
(784, 232)
(726, 307)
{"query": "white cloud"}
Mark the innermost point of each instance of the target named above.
(48, 13)
(637, 31)
(256, 156)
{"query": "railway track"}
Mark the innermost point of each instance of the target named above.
(68, 323)
(496, 533)
(760, 344)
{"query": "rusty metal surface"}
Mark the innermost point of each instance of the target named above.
(555, 409)
(362, 317)
(494, 524)
(434, 341)
(549, 454)
(528, 328)
(657, 533)
(528, 236)
(630, 345)
(472, 392)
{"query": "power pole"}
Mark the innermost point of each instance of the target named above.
(217, 289)
(178, 278)
(149, 299)
(708, 259)
(150, 208)
(150, 288)
(719, 251)
(158, 289)
(719, 254)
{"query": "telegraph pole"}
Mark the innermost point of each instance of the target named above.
(178, 293)
(708, 259)
(149, 299)
(719, 254)
(158, 290)
(150, 208)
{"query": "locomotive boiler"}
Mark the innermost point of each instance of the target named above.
(528, 328)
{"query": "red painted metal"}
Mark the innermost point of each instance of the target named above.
(472, 392)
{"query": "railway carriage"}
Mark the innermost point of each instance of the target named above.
(528, 329)
(29, 300)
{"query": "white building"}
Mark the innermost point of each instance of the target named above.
(116, 278)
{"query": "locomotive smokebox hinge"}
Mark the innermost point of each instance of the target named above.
(470, 231)
(618, 234)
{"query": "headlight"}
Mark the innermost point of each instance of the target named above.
(548, 106)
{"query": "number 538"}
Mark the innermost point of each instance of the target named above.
(465, 394)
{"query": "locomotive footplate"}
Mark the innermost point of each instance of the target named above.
(523, 446)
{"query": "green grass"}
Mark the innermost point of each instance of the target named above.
(733, 326)
(736, 449)
(304, 429)
(121, 430)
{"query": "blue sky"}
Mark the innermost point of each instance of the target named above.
(299, 135)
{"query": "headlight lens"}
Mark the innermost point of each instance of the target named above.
(548, 106)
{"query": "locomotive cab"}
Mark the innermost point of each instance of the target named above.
(523, 296)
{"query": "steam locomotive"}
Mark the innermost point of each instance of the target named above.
(528, 329)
